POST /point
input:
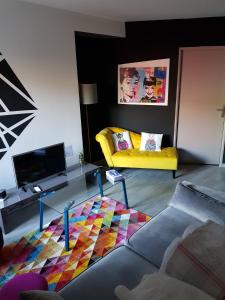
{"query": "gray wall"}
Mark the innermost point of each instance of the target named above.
(38, 43)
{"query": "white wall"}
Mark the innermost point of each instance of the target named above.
(38, 43)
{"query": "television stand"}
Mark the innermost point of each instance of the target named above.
(24, 188)
(62, 174)
(36, 189)
(33, 187)
(19, 198)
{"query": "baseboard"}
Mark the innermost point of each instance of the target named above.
(101, 162)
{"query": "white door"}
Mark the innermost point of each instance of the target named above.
(202, 97)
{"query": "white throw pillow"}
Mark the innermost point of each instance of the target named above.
(190, 229)
(151, 141)
(161, 287)
(122, 141)
(169, 253)
(174, 244)
(198, 258)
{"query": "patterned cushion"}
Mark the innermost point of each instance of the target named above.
(122, 141)
(151, 141)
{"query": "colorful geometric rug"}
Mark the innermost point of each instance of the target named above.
(96, 226)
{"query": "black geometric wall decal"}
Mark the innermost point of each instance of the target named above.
(13, 100)
(8, 73)
(21, 127)
(15, 106)
(2, 154)
(10, 120)
(2, 145)
(10, 139)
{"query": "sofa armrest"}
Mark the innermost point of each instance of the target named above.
(201, 202)
(104, 137)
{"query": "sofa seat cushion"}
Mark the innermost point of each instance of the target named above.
(152, 239)
(121, 266)
(134, 158)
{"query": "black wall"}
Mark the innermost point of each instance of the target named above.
(96, 64)
(98, 58)
(156, 119)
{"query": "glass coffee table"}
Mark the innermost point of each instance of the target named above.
(85, 183)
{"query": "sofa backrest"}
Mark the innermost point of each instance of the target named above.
(201, 202)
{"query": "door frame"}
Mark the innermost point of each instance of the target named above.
(222, 164)
(177, 105)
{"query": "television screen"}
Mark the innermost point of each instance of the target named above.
(39, 164)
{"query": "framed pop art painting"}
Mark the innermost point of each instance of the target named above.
(144, 83)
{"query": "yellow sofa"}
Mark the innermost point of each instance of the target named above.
(166, 159)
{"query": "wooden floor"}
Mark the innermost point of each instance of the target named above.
(148, 191)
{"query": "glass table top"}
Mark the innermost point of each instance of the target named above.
(78, 186)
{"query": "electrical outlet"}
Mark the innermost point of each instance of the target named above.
(69, 151)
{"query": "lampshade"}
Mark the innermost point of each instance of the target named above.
(88, 93)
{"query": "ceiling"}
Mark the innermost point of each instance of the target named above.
(139, 10)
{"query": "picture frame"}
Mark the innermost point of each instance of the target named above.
(144, 83)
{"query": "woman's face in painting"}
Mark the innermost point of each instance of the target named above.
(129, 86)
(149, 91)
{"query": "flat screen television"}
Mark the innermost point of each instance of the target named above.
(38, 164)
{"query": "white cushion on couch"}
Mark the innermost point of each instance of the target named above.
(198, 259)
(122, 141)
(173, 246)
(161, 287)
(151, 141)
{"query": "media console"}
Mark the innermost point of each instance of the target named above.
(18, 198)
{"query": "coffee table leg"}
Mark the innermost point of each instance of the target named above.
(125, 193)
(66, 229)
(99, 180)
(41, 212)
